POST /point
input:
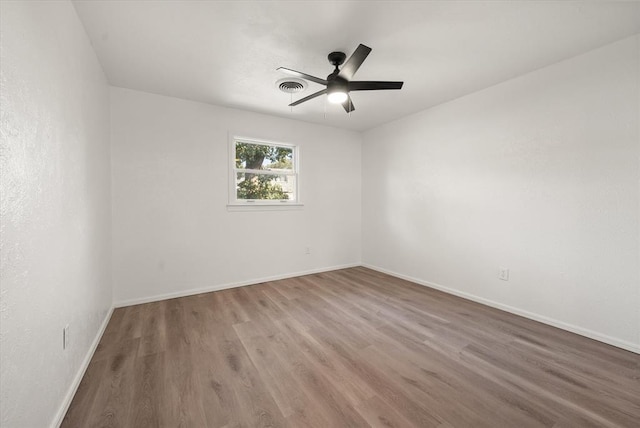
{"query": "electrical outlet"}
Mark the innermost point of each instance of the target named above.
(504, 274)
(307, 250)
(65, 337)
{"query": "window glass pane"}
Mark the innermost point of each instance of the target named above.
(262, 156)
(265, 186)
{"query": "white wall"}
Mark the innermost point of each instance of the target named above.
(55, 207)
(539, 174)
(172, 232)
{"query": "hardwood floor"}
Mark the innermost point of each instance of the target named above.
(348, 348)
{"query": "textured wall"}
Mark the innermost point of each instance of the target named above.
(539, 174)
(171, 229)
(55, 207)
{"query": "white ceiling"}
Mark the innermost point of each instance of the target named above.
(226, 53)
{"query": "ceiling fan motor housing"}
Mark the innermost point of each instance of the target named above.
(336, 84)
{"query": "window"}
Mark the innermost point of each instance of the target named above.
(263, 173)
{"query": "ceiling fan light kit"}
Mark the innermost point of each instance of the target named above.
(337, 97)
(339, 82)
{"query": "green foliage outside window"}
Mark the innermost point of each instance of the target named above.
(261, 157)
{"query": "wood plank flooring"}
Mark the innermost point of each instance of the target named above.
(348, 348)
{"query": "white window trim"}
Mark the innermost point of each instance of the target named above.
(235, 204)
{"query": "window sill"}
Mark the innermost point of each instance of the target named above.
(265, 207)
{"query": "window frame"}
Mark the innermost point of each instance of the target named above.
(235, 204)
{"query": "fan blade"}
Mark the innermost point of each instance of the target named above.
(354, 62)
(348, 105)
(303, 75)
(373, 86)
(310, 97)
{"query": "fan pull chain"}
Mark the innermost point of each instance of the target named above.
(325, 109)
(291, 102)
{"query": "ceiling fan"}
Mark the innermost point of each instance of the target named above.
(339, 83)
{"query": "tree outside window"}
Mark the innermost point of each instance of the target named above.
(264, 172)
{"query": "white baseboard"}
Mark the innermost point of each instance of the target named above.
(207, 289)
(71, 392)
(629, 346)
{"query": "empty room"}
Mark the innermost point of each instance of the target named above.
(319, 214)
